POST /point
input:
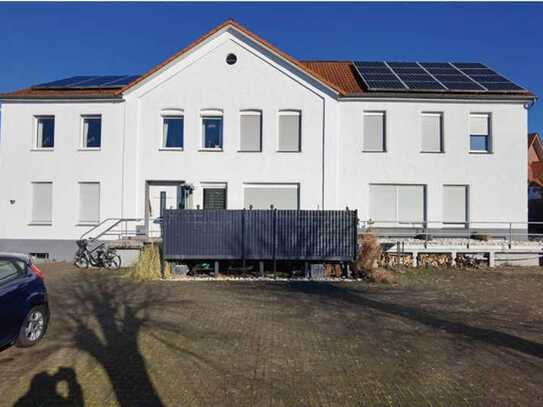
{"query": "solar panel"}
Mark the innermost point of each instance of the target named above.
(465, 85)
(414, 76)
(488, 78)
(378, 76)
(89, 82)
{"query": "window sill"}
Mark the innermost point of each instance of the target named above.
(87, 224)
(249, 151)
(42, 149)
(171, 149)
(211, 149)
(287, 151)
(89, 149)
(432, 152)
(479, 152)
(374, 151)
(40, 224)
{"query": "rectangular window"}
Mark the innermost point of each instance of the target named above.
(250, 131)
(281, 196)
(374, 132)
(215, 197)
(479, 133)
(212, 132)
(290, 130)
(89, 202)
(42, 203)
(172, 129)
(92, 132)
(45, 137)
(455, 204)
(432, 136)
(397, 203)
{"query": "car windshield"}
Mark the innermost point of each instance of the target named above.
(8, 271)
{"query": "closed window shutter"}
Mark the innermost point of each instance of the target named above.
(383, 201)
(251, 132)
(42, 202)
(479, 124)
(410, 203)
(264, 197)
(214, 198)
(455, 203)
(289, 132)
(431, 133)
(89, 202)
(374, 132)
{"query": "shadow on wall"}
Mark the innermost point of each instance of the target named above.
(58, 390)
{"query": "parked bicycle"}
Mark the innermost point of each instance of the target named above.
(100, 256)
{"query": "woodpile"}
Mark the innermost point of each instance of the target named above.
(439, 260)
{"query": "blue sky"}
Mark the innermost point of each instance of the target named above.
(40, 42)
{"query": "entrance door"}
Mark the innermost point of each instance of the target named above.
(161, 197)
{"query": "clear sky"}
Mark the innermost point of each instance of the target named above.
(40, 42)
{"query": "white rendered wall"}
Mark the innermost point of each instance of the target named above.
(497, 181)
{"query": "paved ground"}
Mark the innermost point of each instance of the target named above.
(441, 339)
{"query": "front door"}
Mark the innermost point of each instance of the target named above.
(161, 197)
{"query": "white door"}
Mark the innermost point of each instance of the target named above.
(160, 197)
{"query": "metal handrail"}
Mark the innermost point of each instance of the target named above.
(117, 221)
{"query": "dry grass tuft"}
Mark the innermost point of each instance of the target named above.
(148, 265)
(380, 276)
(167, 272)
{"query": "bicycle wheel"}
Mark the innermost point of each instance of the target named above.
(114, 262)
(81, 262)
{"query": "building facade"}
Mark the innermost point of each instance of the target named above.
(233, 122)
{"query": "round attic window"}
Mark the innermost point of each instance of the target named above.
(231, 59)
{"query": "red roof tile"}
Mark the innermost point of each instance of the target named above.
(339, 72)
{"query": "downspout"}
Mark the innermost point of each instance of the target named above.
(123, 160)
(323, 148)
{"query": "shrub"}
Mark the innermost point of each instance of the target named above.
(148, 265)
(369, 253)
(167, 273)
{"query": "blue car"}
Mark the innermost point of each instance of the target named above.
(24, 312)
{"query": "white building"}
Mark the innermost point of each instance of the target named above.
(231, 121)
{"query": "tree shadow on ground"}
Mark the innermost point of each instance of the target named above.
(336, 295)
(44, 390)
(107, 316)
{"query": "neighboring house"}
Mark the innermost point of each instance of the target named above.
(535, 167)
(233, 122)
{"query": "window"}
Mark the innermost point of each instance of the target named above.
(92, 132)
(45, 137)
(374, 132)
(479, 134)
(214, 196)
(212, 130)
(290, 129)
(250, 131)
(432, 136)
(397, 203)
(455, 204)
(8, 271)
(262, 196)
(42, 203)
(89, 202)
(172, 130)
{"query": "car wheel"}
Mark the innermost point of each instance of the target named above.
(33, 328)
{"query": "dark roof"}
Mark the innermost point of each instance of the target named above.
(340, 76)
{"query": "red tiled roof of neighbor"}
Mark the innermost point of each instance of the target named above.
(60, 93)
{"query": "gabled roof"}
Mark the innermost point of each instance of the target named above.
(535, 168)
(339, 76)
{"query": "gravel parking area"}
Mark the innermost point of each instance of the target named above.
(447, 338)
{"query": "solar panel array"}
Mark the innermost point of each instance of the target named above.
(89, 82)
(432, 77)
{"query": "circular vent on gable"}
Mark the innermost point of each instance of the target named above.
(231, 59)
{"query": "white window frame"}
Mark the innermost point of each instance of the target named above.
(251, 112)
(289, 112)
(34, 222)
(490, 144)
(35, 137)
(441, 129)
(170, 114)
(383, 114)
(285, 185)
(210, 113)
(84, 222)
(82, 139)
